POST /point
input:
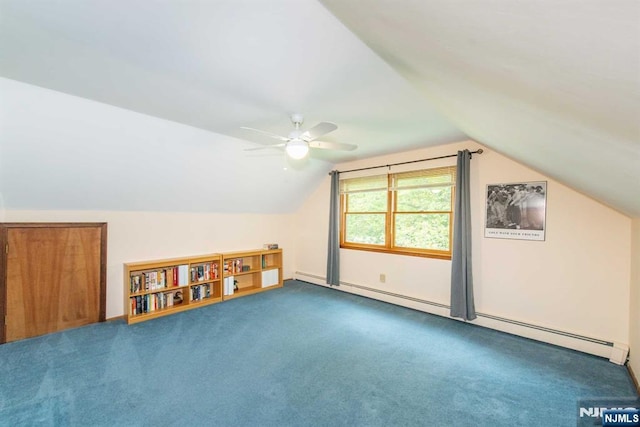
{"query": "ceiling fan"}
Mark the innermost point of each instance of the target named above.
(298, 142)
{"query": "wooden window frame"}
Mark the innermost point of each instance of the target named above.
(390, 218)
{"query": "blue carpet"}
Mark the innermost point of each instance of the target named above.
(296, 356)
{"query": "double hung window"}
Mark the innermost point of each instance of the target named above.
(408, 212)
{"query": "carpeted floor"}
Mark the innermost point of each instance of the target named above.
(296, 356)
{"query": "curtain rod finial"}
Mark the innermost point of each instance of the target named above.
(480, 151)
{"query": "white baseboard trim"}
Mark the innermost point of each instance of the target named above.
(615, 352)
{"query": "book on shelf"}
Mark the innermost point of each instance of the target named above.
(270, 278)
(169, 297)
(153, 280)
(136, 285)
(183, 275)
(228, 285)
(200, 292)
(169, 274)
(237, 265)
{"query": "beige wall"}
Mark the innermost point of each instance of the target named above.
(139, 236)
(634, 306)
(576, 281)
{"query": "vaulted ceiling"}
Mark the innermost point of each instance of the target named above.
(552, 84)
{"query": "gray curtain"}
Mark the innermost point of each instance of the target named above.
(333, 253)
(461, 275)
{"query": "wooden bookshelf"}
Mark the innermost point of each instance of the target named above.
(250, 272)
(162, 287)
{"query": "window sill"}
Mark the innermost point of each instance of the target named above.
(434, 255)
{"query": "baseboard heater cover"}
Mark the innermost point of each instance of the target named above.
(616, 352)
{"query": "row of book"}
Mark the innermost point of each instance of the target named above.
(200, 292)
(159, 279)
(180, 275)
(232, 266)
(206, 271)
(152, 302)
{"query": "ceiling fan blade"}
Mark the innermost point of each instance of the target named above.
(272, 135)
(332, 145)
(264, 147)
(318, 130)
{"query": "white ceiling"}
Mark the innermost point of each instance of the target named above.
(553, 84)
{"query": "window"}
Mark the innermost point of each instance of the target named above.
(409, 212)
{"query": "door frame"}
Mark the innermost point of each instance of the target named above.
(4, 239)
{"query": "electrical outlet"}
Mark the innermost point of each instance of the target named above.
(383, 277)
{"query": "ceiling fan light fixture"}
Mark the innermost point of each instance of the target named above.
(297, 149)
(299, 141)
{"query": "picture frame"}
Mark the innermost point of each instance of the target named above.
(516, 211)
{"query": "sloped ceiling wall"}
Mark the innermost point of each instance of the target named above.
(552, 84)
(61, 152)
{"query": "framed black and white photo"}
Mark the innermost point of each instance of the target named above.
(516, 211)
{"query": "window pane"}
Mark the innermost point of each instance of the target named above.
(423, 231)
(424, 199)
(372, 201)
(365, 228)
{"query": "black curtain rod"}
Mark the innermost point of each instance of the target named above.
(478, 151)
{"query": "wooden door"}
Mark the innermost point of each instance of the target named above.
(54, 277)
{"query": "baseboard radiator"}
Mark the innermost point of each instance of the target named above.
(615, 352)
